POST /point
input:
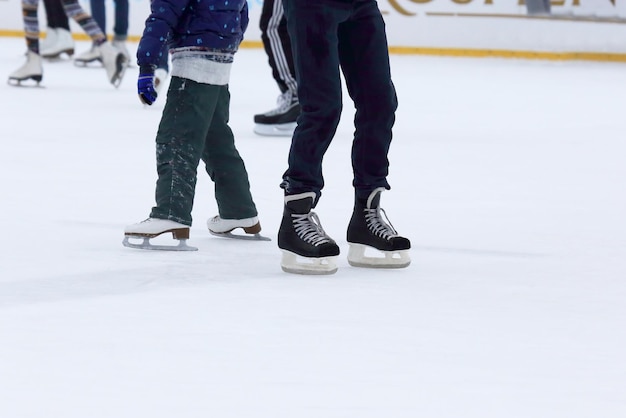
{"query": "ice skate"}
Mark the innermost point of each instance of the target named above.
(153, 227)
(58, 41)
(120, 44)
(280, 121)
(306, 247)
(223, 228)
(87, 57)
(370, 228)
(32, 70)
(114, 62)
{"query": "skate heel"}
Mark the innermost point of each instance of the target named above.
(180, 233)
(254, 229)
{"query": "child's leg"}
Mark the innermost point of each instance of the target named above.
(224, 164)
(31, 24)
(86, 22)
(180, 142)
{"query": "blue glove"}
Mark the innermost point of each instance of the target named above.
(145, 85)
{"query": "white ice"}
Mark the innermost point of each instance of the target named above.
(508, 177)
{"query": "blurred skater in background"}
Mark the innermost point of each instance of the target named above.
(114, 61)
(58, 38)
(120, 29)
(280, 121)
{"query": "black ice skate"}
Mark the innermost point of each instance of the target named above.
(301, 235)
(369, 229)
(280, 121)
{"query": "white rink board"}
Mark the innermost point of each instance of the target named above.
(464, 24)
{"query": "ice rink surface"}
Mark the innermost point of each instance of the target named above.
(508, 176)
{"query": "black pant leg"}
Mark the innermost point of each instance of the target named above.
(55, 15)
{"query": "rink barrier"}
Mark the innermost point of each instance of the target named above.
(430, 51)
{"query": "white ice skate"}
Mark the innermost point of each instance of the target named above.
(57, 41)
(151, 228)
(224, 227)
(87, 57)
(32, 70)
(114, 61)
(121, 46)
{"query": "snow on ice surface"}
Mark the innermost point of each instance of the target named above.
(508, 176)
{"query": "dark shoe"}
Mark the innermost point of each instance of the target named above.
(370, 227)
(301, 234)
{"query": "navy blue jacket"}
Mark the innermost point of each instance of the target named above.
(212, 24)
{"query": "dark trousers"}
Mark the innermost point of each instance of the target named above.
(55, 15)
(277, 45)
(194, 127)
(327, 35)
(98, 12)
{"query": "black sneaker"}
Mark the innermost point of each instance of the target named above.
(370, 227)
(301, 234)
(280, 121)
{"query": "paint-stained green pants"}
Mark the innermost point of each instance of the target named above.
(194, 127)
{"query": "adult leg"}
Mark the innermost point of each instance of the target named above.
(75, 11)
(33, 68)
(31, 24)
(277, 44)
(224, 164)
(98, 12)
(55, 15)
(120, 28)
(313, 30)
(58, 38)
(368, 80)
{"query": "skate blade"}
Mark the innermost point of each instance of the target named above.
(285, 129)
(85, 63)
(57, 56)
(248, 237)
(18, 82)
(391, 260)
(121, 66)
(146, 245)
(295, 264)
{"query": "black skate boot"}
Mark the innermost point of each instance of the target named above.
(368, 228)
(301, 234)
(280, 121)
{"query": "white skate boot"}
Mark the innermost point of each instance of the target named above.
(31, 70)
(57, 41)
(114, 61)
(153, 227)
(120, 44)
(87, 57)
(224, 227)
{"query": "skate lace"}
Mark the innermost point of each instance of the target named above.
(309, 228)
(379, 225)
(283, 103)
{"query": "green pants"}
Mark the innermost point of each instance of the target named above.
(194, 126)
